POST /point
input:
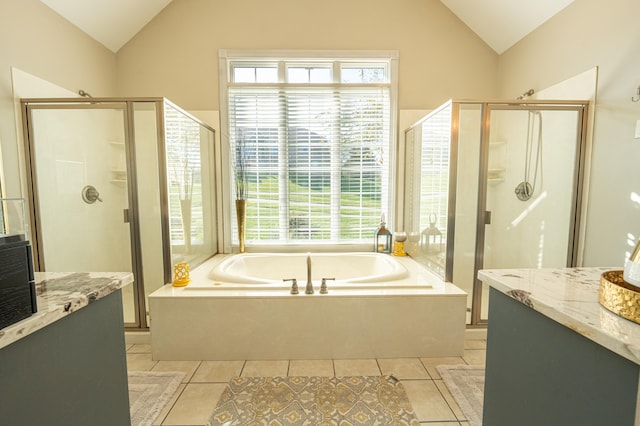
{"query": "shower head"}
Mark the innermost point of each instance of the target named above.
(526, 94)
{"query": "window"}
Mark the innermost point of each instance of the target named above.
(316, 139)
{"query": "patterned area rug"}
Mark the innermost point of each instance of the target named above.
(344, 401)
(149, 392)
(466, 384)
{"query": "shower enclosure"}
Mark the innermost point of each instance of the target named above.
(119, 185)
(494, 185)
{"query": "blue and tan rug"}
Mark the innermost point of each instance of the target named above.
(287, 401)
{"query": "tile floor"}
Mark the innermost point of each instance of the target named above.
(204, 381)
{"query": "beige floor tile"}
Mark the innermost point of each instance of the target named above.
(441, 424)
(265, 368)
(169, 406)
(186, 367)
(128, 346)
(140, 362)
(356, 367)
(403, 368)
(431, 363)
(444, 390)
(195, 404)
(315, 367)
(475, 356)
(217, 371)
(139, 349)
(475, 344)
(427, 402)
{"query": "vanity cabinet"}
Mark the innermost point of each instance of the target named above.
(554, 355)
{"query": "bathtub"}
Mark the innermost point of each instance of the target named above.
(269, 268)
(237, 307)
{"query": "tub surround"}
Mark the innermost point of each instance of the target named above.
(67, 362)
(60, 294)
(416, 316)
(554, 354)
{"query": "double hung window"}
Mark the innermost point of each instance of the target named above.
(312, 139)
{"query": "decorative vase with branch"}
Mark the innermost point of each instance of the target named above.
(240, 165)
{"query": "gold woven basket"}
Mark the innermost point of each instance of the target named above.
(619, 296)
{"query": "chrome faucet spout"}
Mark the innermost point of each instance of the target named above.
(309, 289)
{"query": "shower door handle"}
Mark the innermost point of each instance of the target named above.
(125, 215)
(487, 218)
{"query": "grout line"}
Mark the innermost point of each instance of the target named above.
(333, 365)
(447, 402)
(244, 363)
(172, 405)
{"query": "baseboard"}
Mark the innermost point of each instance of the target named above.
(475, 334)
(137, 337)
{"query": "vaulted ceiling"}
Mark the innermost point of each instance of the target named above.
(500, 23)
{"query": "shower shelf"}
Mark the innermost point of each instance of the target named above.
(118, 175)
(495, 175)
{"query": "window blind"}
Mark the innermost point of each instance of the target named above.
(182, 136)
(316, 159)
(434, 185)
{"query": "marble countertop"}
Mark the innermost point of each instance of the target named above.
(59, 294)
(570, 297)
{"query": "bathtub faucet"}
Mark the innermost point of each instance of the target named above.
(309, 289)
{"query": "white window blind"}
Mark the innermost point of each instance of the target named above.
(184, 168)
(316, 154)
(434, 188)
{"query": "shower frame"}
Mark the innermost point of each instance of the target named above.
(482, 215)
(131, 214)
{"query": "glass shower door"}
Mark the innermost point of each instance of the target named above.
(80, 191)
(531, 163)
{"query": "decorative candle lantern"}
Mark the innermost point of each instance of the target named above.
(181, 274)
(431, 240)
(398, 245)
(382, 238)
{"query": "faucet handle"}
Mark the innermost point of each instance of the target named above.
(323, 286)
(294, 285)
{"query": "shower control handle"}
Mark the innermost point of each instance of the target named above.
(90, 194)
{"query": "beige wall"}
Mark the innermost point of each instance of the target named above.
(587, 34)
(35, 39)
(176, 55)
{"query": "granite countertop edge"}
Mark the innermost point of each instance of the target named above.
(59, 294)
(569, 296)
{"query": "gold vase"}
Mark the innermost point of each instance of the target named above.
(241, 214)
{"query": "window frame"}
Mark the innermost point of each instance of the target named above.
(308, 58)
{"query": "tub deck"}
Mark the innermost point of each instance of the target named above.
(417, 316)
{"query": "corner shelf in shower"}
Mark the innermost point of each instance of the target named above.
(119, 176)
(496, 175)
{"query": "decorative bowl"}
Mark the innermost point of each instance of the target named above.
(619, 296)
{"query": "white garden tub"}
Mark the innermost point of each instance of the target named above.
(266, 268)
(237, 307)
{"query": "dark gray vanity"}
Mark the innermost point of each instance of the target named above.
(66, 364)
(555, 356)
